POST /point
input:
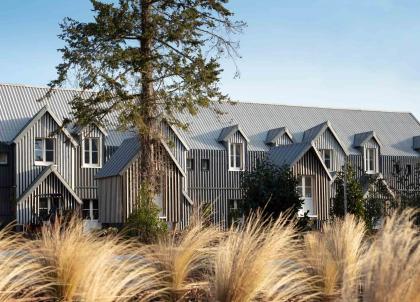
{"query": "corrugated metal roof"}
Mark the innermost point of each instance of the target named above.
(274, 134)
(395, 130)
(312, 133)
(120, 159)
(361, 138)
(19, 104)
(288, 155)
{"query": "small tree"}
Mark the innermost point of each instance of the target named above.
(272, 189)
(144, 223)
(354, 191)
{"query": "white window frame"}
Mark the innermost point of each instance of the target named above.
(331, 151)
(368, 160)
(44, 161)
(90, 164)
(232, 156)
(6, 158)
(91, 209)
(301, 212)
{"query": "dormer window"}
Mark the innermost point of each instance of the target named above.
(44, 151)
(91, 152)
(327, 156)
(236, 156)
(371, 160)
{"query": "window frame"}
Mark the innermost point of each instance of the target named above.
(91, 210)
(6, 161)
(208, 164)
(99, 151)
(44, 150)
(234, 155)
(190, 166)
(368, 160)
(331, 152)
(301, 188)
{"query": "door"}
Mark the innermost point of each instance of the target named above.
(305, 189)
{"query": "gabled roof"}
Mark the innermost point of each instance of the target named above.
(362, 138)
(227, 133)
(52, 169)
(125, 155)
(37, 117)
(274, 134)
(366, 181)
(76, 129)
(416, 143)
(289, 155)
(314, 133)
(121, 159)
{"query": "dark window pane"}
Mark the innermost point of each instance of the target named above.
(205, 163)
(95, 158)
(95, 204)
(87, 159)
(49, 156)
(38, 155)
(190, 163)
(95, 214)
(95, 144)
(49, 144)
(39, 144)
(87, 146)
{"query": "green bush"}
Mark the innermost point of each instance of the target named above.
(144, 222)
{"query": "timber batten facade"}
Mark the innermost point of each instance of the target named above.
(95, 170)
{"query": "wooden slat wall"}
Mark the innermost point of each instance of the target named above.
(309, 165)
(86, 186)
(51, 185)
(283, 140)
(328, 141)
(26, 171)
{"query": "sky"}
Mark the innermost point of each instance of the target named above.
(360, 54)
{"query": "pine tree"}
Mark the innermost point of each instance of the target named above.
(146, 61)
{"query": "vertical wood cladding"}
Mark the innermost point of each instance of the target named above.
(51, 185)
(309, 165)
(118, 195)
(86, 184)
(7, 173)
(26, 170)
(328, 141)
(283, 140)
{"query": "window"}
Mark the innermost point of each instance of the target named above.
(408, 170)
(397, 168)
(90, 209)
(91, 155)
(3, 158)
(370, 160)
(44, 151)
(205, 164)
(327, 155)
(236, 156)
(44, 208)
(305, 190)
(190, 163)
(235, 211)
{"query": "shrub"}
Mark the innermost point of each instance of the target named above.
(271, 189)
(144, 222)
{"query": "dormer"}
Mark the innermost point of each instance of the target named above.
(236, 143)
(92, 140)
(416, 143)
(369, 146)
(328, 144)
(278, 137)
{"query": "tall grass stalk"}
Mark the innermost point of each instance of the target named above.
(185, 260)
(89, 268)
(335, 257)
(392, 272)
(259, 262)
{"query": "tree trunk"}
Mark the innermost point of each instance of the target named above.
(147, 127)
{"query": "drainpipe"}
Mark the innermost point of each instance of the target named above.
(345, 188)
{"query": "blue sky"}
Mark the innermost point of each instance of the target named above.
(362, 54)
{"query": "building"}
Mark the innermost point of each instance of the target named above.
(46, 166)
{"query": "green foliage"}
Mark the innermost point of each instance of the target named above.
(272, 189)
(144, 223)
(355, 202)
(147, 60)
